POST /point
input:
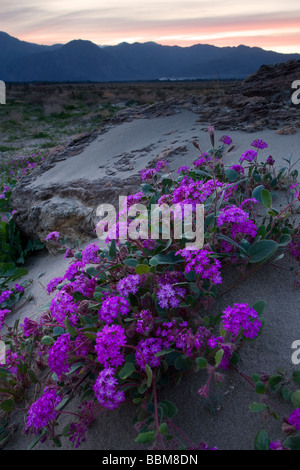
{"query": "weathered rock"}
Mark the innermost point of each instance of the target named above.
(286, 130)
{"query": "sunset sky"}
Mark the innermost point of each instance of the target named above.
(270, 24)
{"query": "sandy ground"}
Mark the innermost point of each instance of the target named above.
(228, 424)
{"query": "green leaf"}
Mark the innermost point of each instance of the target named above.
(219, 356)
(259, 307)
(70, 329)
(37, 439)
(266, 198)
(131, 262)
(262, 441)
(112, 249)
(260, 388)
(296, 376)
(7, 405)
(170, 410)
(58, 331)
(163, 352)
(127, 370)
(142, 268)
(256, 193)
(292, 442)
(274, 382)
(32, 376)
(47, 340)
(231, 174)
(145, 437)
(296, 399)
(149, 375)
(285, 240)
(257, 407)
(201, 362)
(163, 428)
(170, 258)
(261, 250)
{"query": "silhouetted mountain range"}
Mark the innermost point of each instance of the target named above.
(81, 60)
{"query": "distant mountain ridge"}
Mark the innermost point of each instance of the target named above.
(81, 60)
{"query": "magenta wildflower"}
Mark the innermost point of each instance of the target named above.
(259, 144)
(3, 315)
(52, 285)
(144, 323)
(170, 296)
(62, 306)
(72, 270)
(270, 160)
(294, 419)
(241, 317)
(112, 307)
(277, 446)
(183, 169)
(225, 139)
(150, 244)
(249, 156)
(294, 248)
(202, 160)
(238, 219)
(90, 254)
(43, 411)
(30, 327)
(19, 288)
(199, 262)
(54, 236)
(161, 164)
(58, 355)
(146, 350)
(147, 174)
(105, 389)
(238, 169)
(128, 285)
(109, 341)
(5, 295)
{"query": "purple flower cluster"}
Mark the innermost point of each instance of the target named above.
(147, 174)
(241, 316)
(105, 389)
(294, 248)
(109, 341)
(90, 254)
(5, 295)
(128, 285)
(161, 165)
(112, 307)
(146, 350)
(52, 285)
(259, 144)
(294, 419)
(43, 410)
(238, 219)
(30, 327)
(170, 296)
(72, 270)
(62, 306)
(199, 262)
(249, 156)
(238, 168)
(144, 322)
(3, 315)
(202, 160)
(225, 139)
(58, 355)
(270, 160)
(53, 236)
(194, 192)
(183, 169)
